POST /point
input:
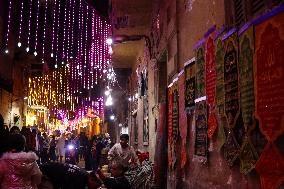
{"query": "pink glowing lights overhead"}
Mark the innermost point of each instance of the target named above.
(64, 33)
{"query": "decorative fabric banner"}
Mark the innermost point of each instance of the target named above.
(201, 147)
(210, 84)
(270, 167)
(200, 72)
(220, 98)
(189, 86)
(248, 157)
(170, 129)
(231, 148)
(160, 160)
(182, 118)
(231, 79)
(221, 137)
(246, 75)
(269, 76)
(175, 121)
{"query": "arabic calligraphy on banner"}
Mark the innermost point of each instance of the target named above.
(170, 108)
(246, 75)
(220, 99)
(201, 148)
(189, 86)
(269, 76)
(231, 80)
(210, 84)
(200, 72)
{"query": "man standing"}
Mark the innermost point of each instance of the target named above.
(122, 152)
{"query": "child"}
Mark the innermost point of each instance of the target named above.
(118, 180)
(18, 169)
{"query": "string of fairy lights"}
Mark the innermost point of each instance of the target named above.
(70, 39)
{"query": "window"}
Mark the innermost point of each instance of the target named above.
(238, 12)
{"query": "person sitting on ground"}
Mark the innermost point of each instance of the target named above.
(118, 180)
(67, 176)
(18, 169)
(123, 152)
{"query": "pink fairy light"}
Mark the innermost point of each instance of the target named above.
(64, 31)
(57, 35)
(8, 28)
(53, 29)
(87, 79)
(44, 28)
(20, 28)
(68, 31)
(29, 27)
(37, 15)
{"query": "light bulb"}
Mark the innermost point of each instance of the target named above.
(51, 55)
(19, 44)
(109, 41)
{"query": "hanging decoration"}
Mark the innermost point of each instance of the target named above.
(201, 141)
(231, 77)
(270, 167)
(269, 68)
(189, 70)
(246, 75)
(220, 99)
(210, 70)
(170, 124)
(175, 121)
(8, 28)
(200, 70)
(182, 116)
(248, 155)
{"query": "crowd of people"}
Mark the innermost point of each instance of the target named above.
(29, 159)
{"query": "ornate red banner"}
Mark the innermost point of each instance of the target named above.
(210, 68)
(269, 76)
(270, 167)
(182, 117)
(170, 129)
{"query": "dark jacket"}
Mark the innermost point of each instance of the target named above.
(116, 183)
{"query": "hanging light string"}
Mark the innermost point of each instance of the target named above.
(64, 32)
(29, 26)
(20, 27)
(93, 49)
(53, 28)
(57, 35)
(44, 31)
(68, 31)
(8, 27)
(36, 32)
(86, 52)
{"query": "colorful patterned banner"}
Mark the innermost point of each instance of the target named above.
(189, 86)
(231, 80)
(246, 75)
(160, 159)
(270, 167)
(231, 148)
(201, 146)
(248, 157)
(200, 72)
(170, 129)
(175, 121)
(220, 98)
(269, 76)
(182, 118)
(210, 84)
